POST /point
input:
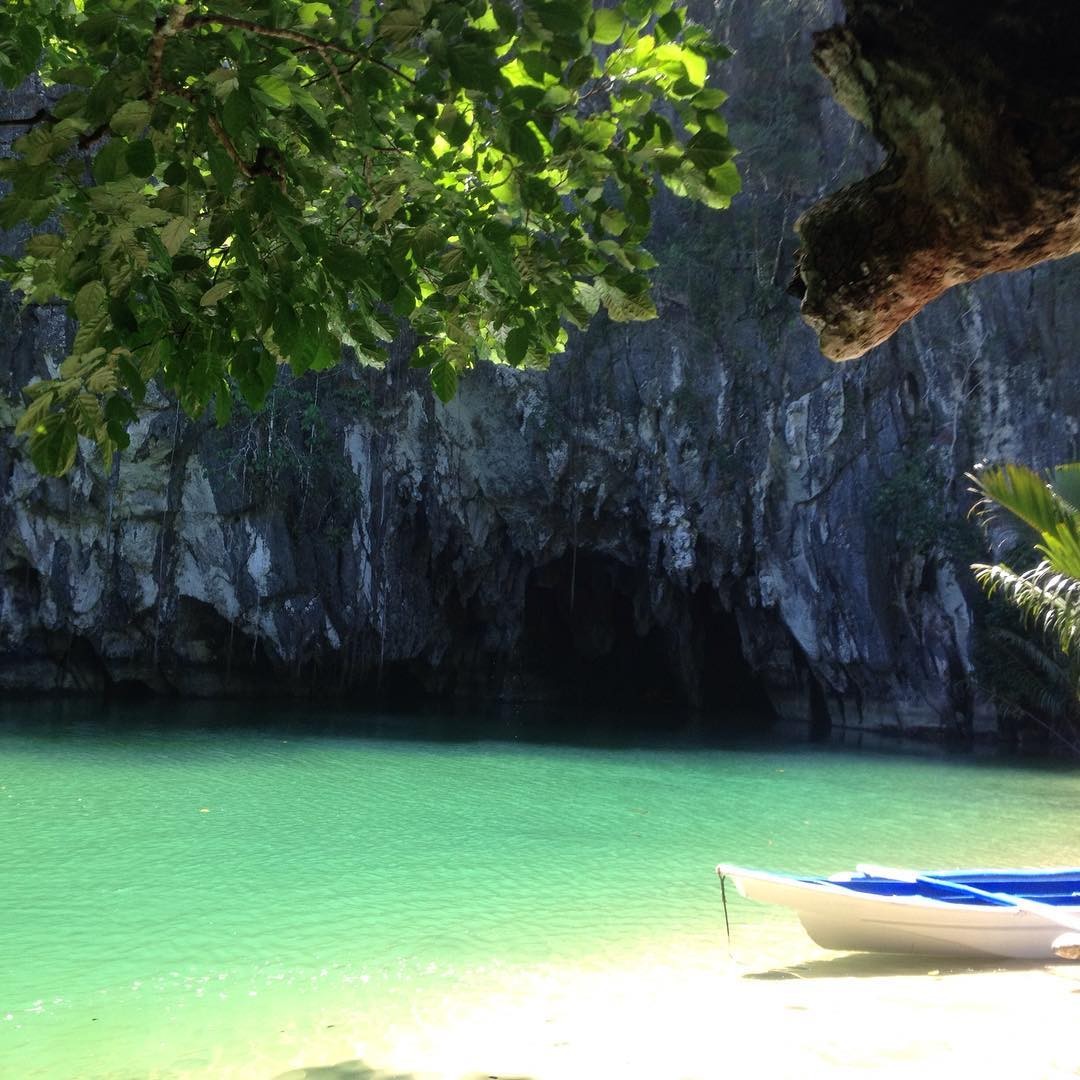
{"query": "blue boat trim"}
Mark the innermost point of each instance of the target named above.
(1054, 887)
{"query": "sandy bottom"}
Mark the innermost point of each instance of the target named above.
(706, 1013)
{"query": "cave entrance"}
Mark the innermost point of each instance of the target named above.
(580, 641)
(583, 643)
(727, 684)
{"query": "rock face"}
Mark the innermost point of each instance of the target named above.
(701, 510)
(978, 107)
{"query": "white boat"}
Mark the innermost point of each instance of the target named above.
(1016, 914)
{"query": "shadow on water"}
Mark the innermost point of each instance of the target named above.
(890, 965)
(463, 721)
(445, 722)
(357, 1070)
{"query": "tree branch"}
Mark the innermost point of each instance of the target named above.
(323, 48)
(166, 27)
(222, 136)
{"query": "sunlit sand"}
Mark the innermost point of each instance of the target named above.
(705, 1014)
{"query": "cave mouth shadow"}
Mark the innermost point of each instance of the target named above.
(590, 640)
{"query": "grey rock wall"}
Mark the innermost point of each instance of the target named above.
(701, 510)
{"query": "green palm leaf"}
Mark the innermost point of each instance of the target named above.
(1044, 596)
(1061, 546)
(1066, 484)
(1021, 491)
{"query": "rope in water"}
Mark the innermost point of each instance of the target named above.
(723, 900)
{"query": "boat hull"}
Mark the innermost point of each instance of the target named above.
(837, 918)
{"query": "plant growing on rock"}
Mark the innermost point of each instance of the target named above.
(1047, 510)
(222, 186)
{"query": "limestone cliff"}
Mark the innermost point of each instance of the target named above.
(700, 510)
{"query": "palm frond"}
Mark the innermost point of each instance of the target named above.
(1065, 480)
(1061, 546)
(1044, 596)
(1030, 685)
(1021, 491)
(1057, 673)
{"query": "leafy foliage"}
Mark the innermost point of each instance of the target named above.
(927, 520)
(224, 186)
(1032, 687)
(1049, 593)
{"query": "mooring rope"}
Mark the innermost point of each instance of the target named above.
(723, 900)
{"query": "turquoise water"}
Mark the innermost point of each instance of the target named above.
(199, 899)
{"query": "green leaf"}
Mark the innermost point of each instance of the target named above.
(309, 14)
(517, 345)
(400, 25)
(111, 161)
(222, 404)
(708, 149)
(44, 245)
(237, 115)
(28, 42)
(671, 24)
(581, 71)
(89, 301)
(560, 16)
(35, 412)
(345, 263)
(117, 434)
(444, 379)
(132, 378)
(622, 307)
(216, 292)
(254, 370)
(118, 408)
(53, 444)
(175, 174)
(524, 143)
(175, 233)
(277, 92)
(37, 146)
(141, 158)
(130, 118)
(609, 26)
(709, 98)
(474, 67)
(638, 210)
(725, 180)
(222, 168)
(89, 332)
(505, 16)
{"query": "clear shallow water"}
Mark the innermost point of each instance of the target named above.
(208, 900)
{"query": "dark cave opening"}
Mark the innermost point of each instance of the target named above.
(727, 682)
(588, 640)
(580, 641)
(820, 722)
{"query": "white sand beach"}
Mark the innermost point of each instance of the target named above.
(780, 1008)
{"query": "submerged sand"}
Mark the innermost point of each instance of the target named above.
(776, 1006)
